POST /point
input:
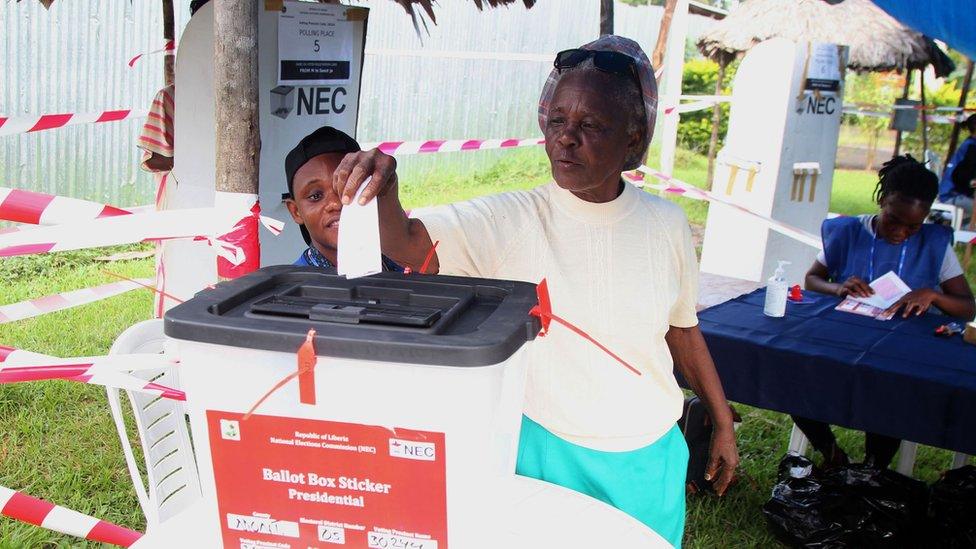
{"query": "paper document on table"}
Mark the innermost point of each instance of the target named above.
(852, 305)
(888, 288)
(359, 238)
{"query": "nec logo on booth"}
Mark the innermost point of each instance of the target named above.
(409, 449)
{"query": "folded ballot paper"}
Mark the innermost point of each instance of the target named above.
(888, 289)
(358, 249)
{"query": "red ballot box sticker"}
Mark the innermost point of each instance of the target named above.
(296, 483)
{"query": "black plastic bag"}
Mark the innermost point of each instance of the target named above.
(952, 505)
(893, 506)
(854, 506)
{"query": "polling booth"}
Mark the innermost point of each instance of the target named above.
(778, 159)
(310, 60)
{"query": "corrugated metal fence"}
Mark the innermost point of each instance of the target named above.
(73, 57)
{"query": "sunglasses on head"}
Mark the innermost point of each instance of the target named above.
(606, 61)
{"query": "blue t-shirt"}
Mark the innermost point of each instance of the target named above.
(311, 257)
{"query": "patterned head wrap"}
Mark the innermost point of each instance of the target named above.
(645, 74)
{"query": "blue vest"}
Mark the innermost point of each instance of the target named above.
(847, 247)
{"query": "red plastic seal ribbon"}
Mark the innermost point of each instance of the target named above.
(306, 369)
(305, 374)
(544, 311)
(429, 258)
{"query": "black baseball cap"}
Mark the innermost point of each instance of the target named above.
(323, 140)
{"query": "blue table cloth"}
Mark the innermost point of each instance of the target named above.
(894, 378)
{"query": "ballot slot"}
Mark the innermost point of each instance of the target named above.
(362, 304)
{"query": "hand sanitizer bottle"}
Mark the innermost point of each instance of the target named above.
(776, 291)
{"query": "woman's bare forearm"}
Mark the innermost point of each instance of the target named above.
(695, 363)
(403, 239)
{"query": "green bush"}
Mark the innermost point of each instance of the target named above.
(695, 128)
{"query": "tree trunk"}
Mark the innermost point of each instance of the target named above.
(169, 35)
(904, 95)
(872, 149)
(657, 58)
(716, 121)
(954, 139)
(606, 17)
(236, 95)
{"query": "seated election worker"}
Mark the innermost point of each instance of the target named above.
(311, 199)
(859, 249)
(956, 187)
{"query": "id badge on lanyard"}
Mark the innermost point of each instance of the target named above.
(901, 259)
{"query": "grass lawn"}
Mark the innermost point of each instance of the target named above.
(59, 442)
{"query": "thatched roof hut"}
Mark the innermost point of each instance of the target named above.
(877, 41)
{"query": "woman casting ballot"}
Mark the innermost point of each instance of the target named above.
(859, 249)
(620, 264)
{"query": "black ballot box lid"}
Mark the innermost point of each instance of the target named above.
(388, 317)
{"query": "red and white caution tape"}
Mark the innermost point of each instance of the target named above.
(244, 235)
(36, 123)
(396, 148)
(66, 300)
(676, 186)
(18, 366)
(46, 209)
(20, 506)
(170, 46)
(402, 148)
(934, 119)
(198, 223)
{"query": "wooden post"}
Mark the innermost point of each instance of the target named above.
(236, 95)
(169, 34)
(674, 63)
(904, 95)
(716, 120)
(925, 125)
(657, 57)
(606, 17)
(954, 139)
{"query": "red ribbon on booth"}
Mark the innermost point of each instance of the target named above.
(245, 236)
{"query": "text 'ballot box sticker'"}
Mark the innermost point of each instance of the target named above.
(305, 482)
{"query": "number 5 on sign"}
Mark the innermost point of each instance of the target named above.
(315, 44)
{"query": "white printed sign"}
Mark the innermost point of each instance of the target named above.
(314, 44)
(823, 71)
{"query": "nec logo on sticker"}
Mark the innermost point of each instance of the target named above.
(411, 449)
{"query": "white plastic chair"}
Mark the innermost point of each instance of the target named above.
(955, 213)
(171, 471)
(906, 453)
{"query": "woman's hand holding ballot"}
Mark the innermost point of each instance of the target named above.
(404, 240)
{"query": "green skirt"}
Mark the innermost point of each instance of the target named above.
(647, 484)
